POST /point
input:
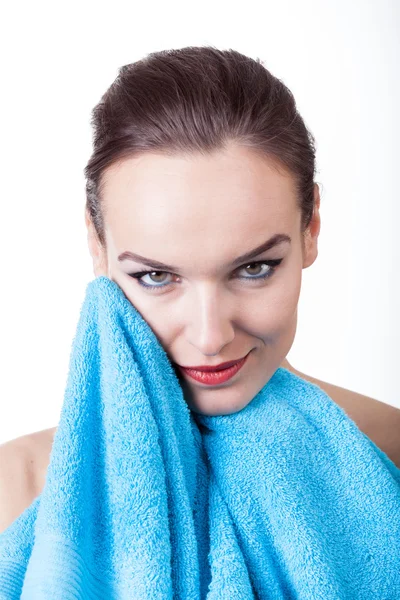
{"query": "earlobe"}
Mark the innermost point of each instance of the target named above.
(87, 218)
(96, 250)
(310, 251)
(310, 241)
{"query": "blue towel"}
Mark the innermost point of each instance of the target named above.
(285, 499)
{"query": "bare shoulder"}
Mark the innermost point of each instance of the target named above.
(379, 421)
(23, 465)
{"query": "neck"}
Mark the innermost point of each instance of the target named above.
(286, 365)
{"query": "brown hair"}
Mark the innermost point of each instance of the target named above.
(196, 100)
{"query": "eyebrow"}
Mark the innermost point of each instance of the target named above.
(279, 238)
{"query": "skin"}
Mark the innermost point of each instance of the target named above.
(200, 214)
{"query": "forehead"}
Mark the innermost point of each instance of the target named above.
(216, 199)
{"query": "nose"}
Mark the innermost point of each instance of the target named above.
(210, 327)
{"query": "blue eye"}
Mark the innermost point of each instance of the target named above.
(271, 264)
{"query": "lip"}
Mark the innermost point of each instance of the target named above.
(207, 369)
(215, 377)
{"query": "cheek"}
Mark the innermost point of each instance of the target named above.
(268, 314)
(274, 311)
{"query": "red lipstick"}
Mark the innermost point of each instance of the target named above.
(214, 375)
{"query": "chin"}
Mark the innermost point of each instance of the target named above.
(217, 409)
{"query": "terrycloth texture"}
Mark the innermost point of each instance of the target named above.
(286, 499)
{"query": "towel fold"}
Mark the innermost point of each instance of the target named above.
(285, 499)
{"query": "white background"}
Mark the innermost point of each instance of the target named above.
(341, 61)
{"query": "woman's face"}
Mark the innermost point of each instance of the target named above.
(208, 306)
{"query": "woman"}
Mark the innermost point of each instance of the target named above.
(202, 207)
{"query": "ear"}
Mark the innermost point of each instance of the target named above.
(310, 240)
(97, 251)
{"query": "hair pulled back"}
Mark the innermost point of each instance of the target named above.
(198, 100)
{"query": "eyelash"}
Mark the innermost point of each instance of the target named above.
(273, 264)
